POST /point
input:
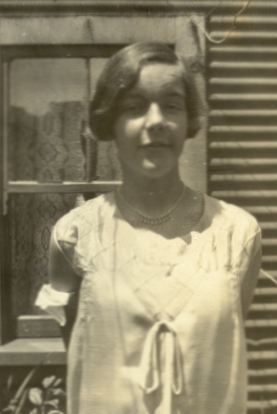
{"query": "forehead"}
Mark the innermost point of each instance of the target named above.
(159, 78)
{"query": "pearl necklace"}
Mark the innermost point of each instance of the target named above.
(150, 220)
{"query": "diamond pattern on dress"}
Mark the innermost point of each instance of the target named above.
(166, 296)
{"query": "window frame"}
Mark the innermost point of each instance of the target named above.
(37, 326)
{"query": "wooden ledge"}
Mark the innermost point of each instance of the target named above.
(33, 351)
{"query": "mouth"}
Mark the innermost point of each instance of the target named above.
(155, 145)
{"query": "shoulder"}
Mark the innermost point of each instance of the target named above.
(84, 218)
(230, 218)
(234, 231)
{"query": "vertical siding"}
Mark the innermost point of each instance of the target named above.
(242, 167)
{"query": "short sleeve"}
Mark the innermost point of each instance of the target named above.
(250, 270)
(249, 255)
(253, 244)
(66, 263)
(72, 241)
(61, 267)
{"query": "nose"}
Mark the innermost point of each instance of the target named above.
(154, 118)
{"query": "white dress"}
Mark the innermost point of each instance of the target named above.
(159, 327)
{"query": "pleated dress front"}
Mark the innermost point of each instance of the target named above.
(159, 328)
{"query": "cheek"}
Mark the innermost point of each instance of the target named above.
(183, 127)
(127, 131)
(180, 127)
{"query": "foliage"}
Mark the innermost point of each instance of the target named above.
(48, 398)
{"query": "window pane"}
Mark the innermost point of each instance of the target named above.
(46, 111)
(46, 115)
(47, 108)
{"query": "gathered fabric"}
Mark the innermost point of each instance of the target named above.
(159, 328)
(149, 366)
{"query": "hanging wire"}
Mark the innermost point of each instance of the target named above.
(212, 11)
(219, 41)
(269, 277)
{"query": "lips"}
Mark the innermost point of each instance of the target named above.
(156, 145)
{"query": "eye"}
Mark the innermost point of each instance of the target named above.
(172, 105)
(132, 107)
(175, 106)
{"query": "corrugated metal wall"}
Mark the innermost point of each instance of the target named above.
(242, 168)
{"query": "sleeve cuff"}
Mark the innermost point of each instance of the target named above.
(52, 301)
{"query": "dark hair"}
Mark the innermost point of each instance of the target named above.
(121, 73)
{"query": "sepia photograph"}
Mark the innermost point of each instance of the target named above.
(138, 211)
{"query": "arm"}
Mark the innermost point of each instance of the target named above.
(63, 278)
(250, 280)
(70, 314)
(62, 275)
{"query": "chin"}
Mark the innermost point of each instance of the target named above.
(155, 172)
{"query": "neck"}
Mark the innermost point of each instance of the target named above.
(151, 194)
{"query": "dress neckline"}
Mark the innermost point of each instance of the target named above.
(116, 213)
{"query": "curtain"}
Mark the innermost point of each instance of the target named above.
(45, 149)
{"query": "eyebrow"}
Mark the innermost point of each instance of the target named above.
(176, 94)
(133, 94)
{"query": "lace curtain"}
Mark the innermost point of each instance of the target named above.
(45, 148)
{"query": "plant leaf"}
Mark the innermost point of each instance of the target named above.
(25, 383)
(35, 396)
(55, 412)
(9, 382)
(34, 411)
(53, 403)
(21, 402)
(48, 381)
(57, 382)
(57, 391)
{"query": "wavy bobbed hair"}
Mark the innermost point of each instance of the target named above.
(121, 73)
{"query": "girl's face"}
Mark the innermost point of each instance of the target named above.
(151, 125)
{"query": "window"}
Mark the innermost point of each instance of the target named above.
(46, 160)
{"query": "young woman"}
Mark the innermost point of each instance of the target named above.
(164, 275)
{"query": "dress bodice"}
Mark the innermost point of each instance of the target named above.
(159, 327)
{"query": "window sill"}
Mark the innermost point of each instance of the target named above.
(33, 351)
